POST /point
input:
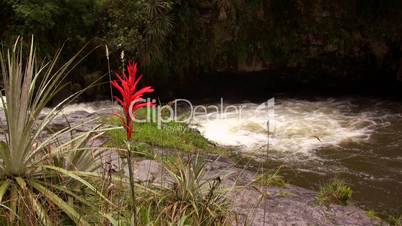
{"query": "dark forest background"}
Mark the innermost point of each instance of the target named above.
(237, 48)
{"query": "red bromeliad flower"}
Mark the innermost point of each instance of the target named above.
(132, 99)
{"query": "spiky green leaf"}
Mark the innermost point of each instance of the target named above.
(69, 210)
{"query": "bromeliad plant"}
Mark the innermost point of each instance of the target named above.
(188, 197)
(38, 174)
(130, 102)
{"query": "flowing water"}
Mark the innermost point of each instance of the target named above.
(357, 139)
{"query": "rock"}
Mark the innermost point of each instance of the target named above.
(2, 118)
(2, 136)
(292, 205)
(80, 120)
(253, 64)
(148, 171)
(379, 49)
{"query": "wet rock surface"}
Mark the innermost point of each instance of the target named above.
(82, 117)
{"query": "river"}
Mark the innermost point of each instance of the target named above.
(357, 139)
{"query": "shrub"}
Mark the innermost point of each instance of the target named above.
(335, 191)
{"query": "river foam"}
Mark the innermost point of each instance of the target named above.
(297, 126)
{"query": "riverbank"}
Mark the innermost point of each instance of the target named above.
(263, 205)
(288, 204)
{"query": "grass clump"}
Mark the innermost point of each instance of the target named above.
(396, 221)
(335, 191)
(271, 179)
(373, 215)
(172, 135)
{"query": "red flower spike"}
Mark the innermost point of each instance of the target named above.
(127, 88)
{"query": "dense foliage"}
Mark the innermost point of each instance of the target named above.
(182, 39)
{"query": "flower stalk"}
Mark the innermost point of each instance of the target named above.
(131, 100)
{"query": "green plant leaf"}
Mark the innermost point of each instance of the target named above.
(39, 210)
(84, 201)
(69, 210)
(3, 189)
(74, 176)
(4, 152)
(13, 203)
(21, 182)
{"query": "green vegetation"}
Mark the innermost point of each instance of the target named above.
(52, 23)
(39, 177)
(335, 191)
(177, 40)
(373, 215)
(60, 178)
(271, 179)
(396, 221)
(171, 135)
(188, 198)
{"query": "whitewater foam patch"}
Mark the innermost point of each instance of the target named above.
(297, 126)
(90, 107)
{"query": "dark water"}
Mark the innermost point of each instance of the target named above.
(373, 167)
